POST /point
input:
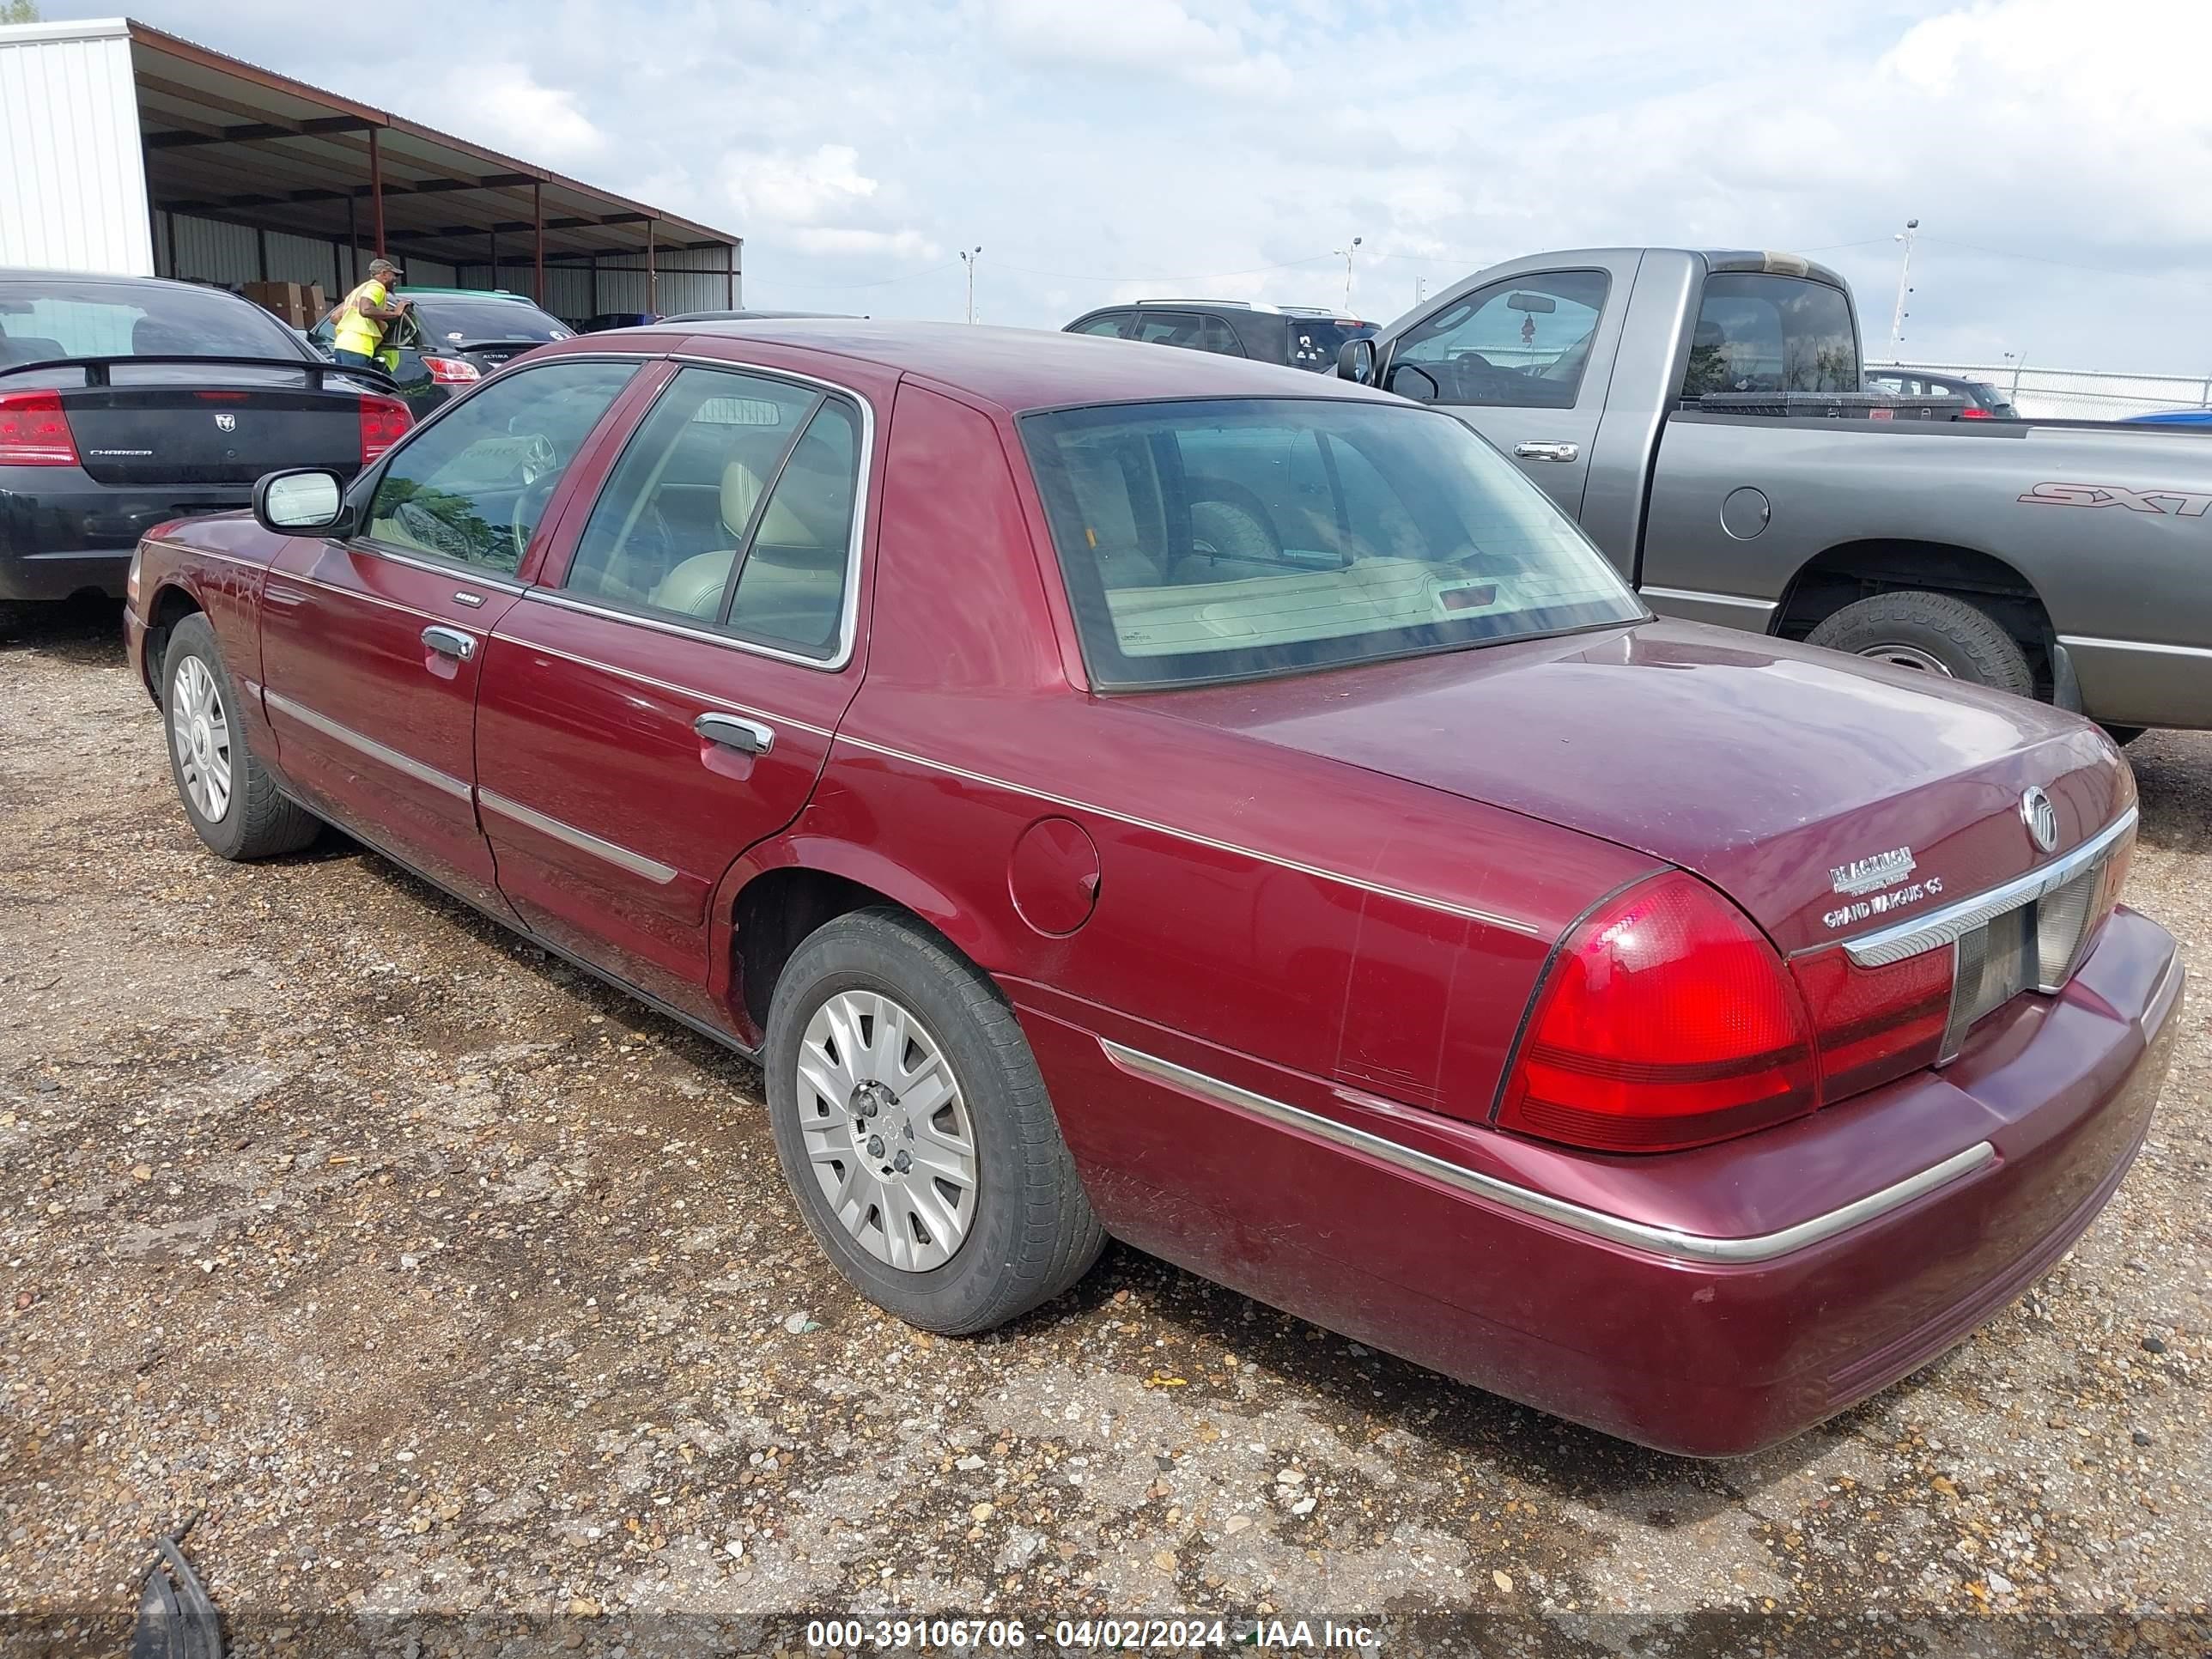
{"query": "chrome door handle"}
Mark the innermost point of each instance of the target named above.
(450, 642)
(735, 731)
(1546, 452)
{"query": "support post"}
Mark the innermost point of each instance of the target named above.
(595, 285)
(729, 276)
(261, 251)
(353, 243)
(376, 190)
(538, 218)
(652, 275)
(492, 236)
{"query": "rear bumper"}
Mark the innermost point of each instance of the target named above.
(62, 533)
(1652, 1333)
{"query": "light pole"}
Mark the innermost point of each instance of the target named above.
(1346, 252)
(967, 258)
(1903, 279)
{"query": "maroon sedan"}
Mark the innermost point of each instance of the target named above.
(1130, 792)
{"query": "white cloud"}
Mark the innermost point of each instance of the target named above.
(909, 245)
(1146, 37)
(504, 103)
(802, 190)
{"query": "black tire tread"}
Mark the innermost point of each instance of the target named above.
(1058, 1236)
(1978, 640)
(269, 822)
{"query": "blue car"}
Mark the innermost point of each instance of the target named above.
(2173, 417)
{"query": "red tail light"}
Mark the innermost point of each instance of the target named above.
(384, 422)
(1970, 413)
(453, 371)
(1668, 1021)
(1870, 1024)
(34, 431)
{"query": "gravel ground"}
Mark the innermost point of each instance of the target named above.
(461, 1300)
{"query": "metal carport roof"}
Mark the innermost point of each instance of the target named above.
(227, 139)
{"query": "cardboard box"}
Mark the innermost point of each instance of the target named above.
(300, 304)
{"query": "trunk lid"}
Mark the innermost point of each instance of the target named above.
(1827, 796)
(177, 423)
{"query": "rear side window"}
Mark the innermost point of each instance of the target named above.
(733, 506)
(1758, 332)
(1187, 328)
(1110, 325)
(1520, 344)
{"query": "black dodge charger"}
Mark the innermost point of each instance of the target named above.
(128, 401)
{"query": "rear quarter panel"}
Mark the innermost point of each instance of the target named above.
(2112, 526)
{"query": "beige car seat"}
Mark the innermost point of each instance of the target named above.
(695, 587)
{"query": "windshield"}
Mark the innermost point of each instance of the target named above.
(44, 317)
(468, 319)
(1215, 540)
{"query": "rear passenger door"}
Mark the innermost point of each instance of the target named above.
(665, 697)
(1526, 362)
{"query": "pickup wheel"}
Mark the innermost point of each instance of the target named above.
(234, 804)
(1933, 633)
(914, 1129)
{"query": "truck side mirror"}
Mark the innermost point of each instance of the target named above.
(1355, 361)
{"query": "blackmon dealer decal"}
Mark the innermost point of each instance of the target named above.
(1878, 886)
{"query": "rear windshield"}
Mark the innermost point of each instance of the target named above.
(1763, 333)
(1314, 340)
(43, 317)
(1224, 540)
(466, 320)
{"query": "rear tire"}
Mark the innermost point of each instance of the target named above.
(1009, 1207)
(1934, 633)
(233, 802)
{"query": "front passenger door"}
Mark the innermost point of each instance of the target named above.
(1525, 362)
(371, 646)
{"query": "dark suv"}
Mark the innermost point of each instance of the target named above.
(451, 337)
(1302, 335)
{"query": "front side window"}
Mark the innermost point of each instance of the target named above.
(1111, 324)
(472, 486)
(732, 506)
(1223, 539)
(1522, 344)
(1758, 332)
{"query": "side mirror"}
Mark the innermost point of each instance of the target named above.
(1355, 361)
(303, 501)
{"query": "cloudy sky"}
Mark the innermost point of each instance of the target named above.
(2058, 153)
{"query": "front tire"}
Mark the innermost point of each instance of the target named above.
(1934, 633)
(233, 802)
(914, 1130)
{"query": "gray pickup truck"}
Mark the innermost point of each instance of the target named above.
(1671, 402)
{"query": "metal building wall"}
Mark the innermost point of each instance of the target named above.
(212, 251)
(73, 186)
(690, 279)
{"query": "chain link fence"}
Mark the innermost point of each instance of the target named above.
(2076, 394)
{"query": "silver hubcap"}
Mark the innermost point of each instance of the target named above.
(199, 730)
(887, 1131)
(1906, 656)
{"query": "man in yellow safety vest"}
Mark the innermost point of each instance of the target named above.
(363, 314)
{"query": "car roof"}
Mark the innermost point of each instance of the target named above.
(1020, 368)
(473, 292)
(120, 279)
